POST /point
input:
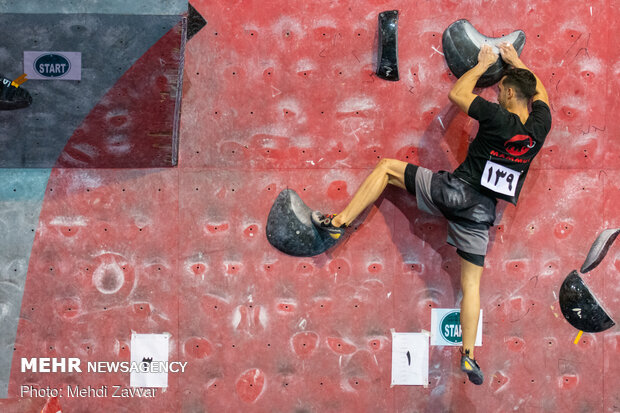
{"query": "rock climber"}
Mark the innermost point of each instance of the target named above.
(497, 162)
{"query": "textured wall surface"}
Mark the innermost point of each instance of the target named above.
(123, 113)
(282, 94)
(21, 197)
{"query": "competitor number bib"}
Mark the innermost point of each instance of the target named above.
(500, 179)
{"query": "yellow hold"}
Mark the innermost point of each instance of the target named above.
(17, 82)
(578, 337)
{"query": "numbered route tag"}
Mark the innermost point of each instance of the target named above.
(500, 179)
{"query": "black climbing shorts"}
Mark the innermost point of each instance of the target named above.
(469, 213)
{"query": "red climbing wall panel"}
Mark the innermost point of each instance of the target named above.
(282, 94)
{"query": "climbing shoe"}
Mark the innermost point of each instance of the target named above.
(472, 369)
(324, 222)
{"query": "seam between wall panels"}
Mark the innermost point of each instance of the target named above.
(178, 104)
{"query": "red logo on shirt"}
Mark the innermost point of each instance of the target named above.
(519, 145)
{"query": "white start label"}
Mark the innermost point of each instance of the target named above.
(53, 65)
(500, 179)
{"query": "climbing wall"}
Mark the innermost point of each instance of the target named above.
(282, 94)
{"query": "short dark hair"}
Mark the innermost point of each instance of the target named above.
(522, 81)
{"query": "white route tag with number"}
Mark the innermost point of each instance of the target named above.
(500, 179)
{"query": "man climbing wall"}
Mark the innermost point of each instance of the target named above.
(497, 162)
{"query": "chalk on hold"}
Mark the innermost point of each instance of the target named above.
(461, 44)
(387, 60)
(12, 97)
(599, 249)
(580, 308)
(290, 229)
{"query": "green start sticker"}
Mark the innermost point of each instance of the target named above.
(446, 327)
(450, 327)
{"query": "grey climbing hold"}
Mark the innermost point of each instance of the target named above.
(290, 229)
(462, 42)
(599, 249)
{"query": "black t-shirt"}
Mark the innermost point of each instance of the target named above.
(499, 157)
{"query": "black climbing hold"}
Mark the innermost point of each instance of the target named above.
(580, 307)
(195, 21)
(12, 97)
(387, 61)
(599, 249)
(290, 229)
(461, 44)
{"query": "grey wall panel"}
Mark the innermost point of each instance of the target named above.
(21, 197)
(144, 7)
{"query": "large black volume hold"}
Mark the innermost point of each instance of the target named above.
(580, 308)
(12, 97)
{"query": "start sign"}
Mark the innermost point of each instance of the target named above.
(450, 327)
(446, 327)
(53, 65)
